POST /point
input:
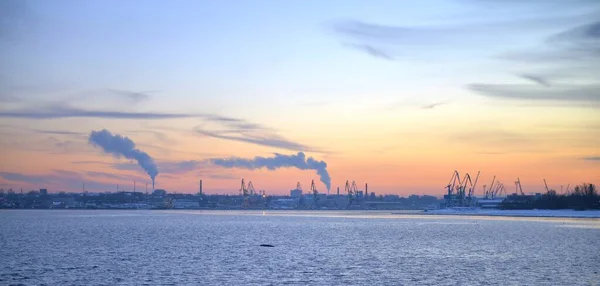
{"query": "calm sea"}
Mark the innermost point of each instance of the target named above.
(89, 247)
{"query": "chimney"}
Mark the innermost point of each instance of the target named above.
(200, 192)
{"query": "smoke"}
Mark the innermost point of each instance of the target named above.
(298, 161)
(118, 146)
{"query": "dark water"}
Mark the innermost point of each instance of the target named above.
(311, 248)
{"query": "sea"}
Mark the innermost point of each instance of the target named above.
(145, 247)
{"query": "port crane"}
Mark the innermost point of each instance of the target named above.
(469, 193)
(348, 190)
(549, 191)
(472, 191)
(355, 189)
(244, 192)
(518, 188)
(452, 184)
(314, 191)
(352, 191)
(461, 190)
(489, 192)
(251, 190)
(499, 190)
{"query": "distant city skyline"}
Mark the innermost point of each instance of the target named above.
(394, 94)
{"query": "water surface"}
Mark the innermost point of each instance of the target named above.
(109, 247)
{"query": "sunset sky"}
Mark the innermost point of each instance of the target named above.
(397, 94)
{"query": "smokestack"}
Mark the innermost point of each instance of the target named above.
(200, 192)
(153, 185)
(146, 188)
(366, 190)
(338, 191)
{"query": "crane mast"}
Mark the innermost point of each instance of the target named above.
(314, 191)
(518, 187)
(244, 192)
(472, 193)
(251, 190)
(452, 184)
(348, 191)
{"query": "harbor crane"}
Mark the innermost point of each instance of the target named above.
(251, 190)
(244, 192)
(352, 191)
(472, 191)
(314, 191)
(518, 188)
(467, 194)
(499, 190)
(489, 191)
(452, 184)
(461, 190)
(348, 191)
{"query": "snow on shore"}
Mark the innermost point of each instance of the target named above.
(516, 213)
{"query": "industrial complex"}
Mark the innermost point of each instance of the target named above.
(460, 194)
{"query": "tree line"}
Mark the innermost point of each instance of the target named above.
(583, 197)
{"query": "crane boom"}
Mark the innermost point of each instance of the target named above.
(250, 188)
(475, 184)
(520, 187)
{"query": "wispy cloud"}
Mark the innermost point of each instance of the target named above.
(181, 167)
(89, 163)
(233, 129)
(536, 79)
(57, 132)
(132, 95)
(573, 53)
(47, 144)
(413, 103)
(568, 93)
(57, 179)
(373, 51)
(159, 135)
(497, 140)
(57, 112)
(592, 158)
(17, 177)
(434, 105)
(7, 98)
(117, 177)
(265, 139)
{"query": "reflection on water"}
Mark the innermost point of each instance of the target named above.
(315, 248)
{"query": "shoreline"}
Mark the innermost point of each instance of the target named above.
(564, 213)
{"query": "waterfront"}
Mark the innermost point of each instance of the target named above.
(83, 247)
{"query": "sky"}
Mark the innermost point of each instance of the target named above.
(396, 94)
